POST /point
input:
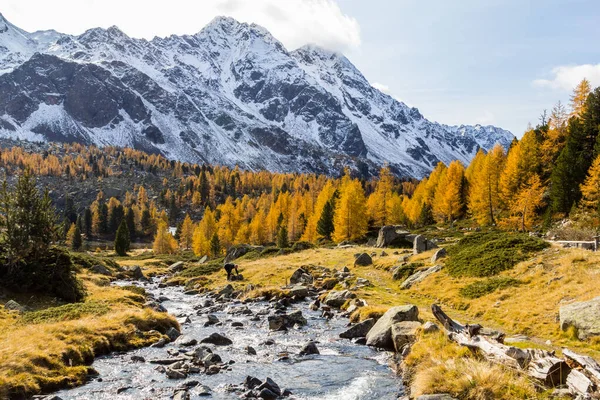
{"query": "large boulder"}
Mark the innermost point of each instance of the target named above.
(358, 330)
(391, 235)
(136, 272)
(419, 276)
(101, 269)
(338, 298)
(584, 316)
(404, 333)
(421, 244)
(217, 339)
(299, 292)
(381, 334)
(309, 349)
(240, 250)
(363, 260)
(301, 276)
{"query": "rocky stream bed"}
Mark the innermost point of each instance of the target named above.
(231, 349)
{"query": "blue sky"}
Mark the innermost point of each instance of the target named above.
(497, 62)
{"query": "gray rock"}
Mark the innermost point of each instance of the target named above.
(271, 385)
(390, 235)
(441, 253)
(299, 291)
(12, 305)
(421, 244)
(136, 272)
(101, 269)
(358, 330)
(301, 276)
(381, 334)
(203, 260)
(173, 334)
(211, 320)
(404, 333)
(338, 298)
(202, 390)
(284, 322)
(217, 339)
(584, 316)
(175, 374)
(419, 276)
(176, 267)
(363, 260)
(250, 350)
(309, 348)
(181, 394)
(267, 394)
(430, 327)
(226, 291)
(138, 359)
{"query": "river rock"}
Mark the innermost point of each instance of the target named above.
(173, 334)
(176, 267)
(101, 269)
(202, 390)
(217, 339)
(381, 334)
(584, 316)
(211, 359)
(226, 291)
(283, 322)
(12, 305)
(250, 350)
(338, 298)
(358, 330)
(184, 341)
(138, 359)
(175, 374)
(181, 394)
(309, 348)
(301, 276)
(136, 272)
(404, 333)
(213, 370)
(267, 394)
(441, 253)
(251, 382)
(363, 260)
(271, 385)
(300, 292)
(419, 276)
(211, 320)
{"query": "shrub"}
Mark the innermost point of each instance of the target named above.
(479, 289)
(65, 312)
(487, 254)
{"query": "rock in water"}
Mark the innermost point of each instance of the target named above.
(404, 333)
(136, 272)
(381, 334)
(217, 339)
(173, 334)
(271, 385)
(309, 348)
(441, 253)
(250, 350)
(363, 260)
(584, 316)
(358, 330)
(338, 298)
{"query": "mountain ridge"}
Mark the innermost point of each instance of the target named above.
(230, 94)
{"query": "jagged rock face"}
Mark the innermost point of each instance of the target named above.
(230, 94)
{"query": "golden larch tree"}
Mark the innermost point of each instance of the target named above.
(350, 219)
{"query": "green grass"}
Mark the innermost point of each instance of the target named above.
(487, 254)
(480, 288)
(87, 261)
(65, 312)
(202, 269)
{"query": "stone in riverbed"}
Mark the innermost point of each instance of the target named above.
(358, 330)
(251, 382)
(404, 333)
(211, 320)
(299, 291)
(217, 339)
(309, 348)
(270, 385)
(138, 359)
(181, 394)
(175, 374)
(338, 298)
(203, 390)
(250, 350)
(173, 334)
(381, 334)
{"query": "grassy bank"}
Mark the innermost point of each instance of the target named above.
(51, 346)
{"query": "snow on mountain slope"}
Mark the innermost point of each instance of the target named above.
(230, 94)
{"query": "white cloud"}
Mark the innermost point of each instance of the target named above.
(381, 87)
(566, 77)
(293, 22)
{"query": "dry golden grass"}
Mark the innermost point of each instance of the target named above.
(436, 365)
(45, 356)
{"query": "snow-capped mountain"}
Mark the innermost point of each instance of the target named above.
(230, 94)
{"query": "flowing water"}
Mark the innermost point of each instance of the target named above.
(342, 371)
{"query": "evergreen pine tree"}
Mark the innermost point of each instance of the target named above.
(74, 238)
(215, 245)
(130, 220)
(122, 239)
(325, 225)
(87, 223)
(426, 216)
(282, 238)
(204, 188)
(103, 218)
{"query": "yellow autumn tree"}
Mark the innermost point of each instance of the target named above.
(380, 204)
(526, 204)
(186, 235)
(448, 203)
(203, 233)
(579, 97)
(164, 242)
(484, 194)
(310, 232)
(350, 219)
